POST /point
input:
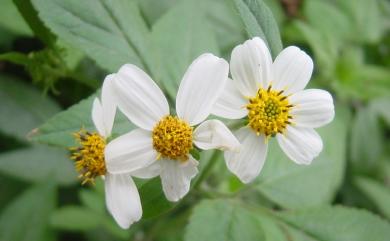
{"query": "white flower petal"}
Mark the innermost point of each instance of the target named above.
(250, 66)
(176, 177)
(292, 70)
(97, 117)
(200, 88)
(213, 134)
(130, 152)
(248, 162)
(108, 104)
(300, 144)
(312, 108)
(139, 98)
(148, 172)
(231, 103)
(122, 199)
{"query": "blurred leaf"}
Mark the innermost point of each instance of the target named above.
(110, 32)
(259, 21)
(223, 220)
(75, 218)
(39, 163)
(92, 200)
(180, 36)
(10, 188)
(27, 217)
(377, 192)
(382, 107)
(338, 224)
(11, 19)
(297, 186)
(22, 107)
(152, 10)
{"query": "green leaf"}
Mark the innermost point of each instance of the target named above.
(26, 218)
(75, 218)
(180, 36)
(11, 19)
(259, 21)
(223, 220)
(377, 192)
(93, 200)
(22, 108)
(39, 163)
(296, 186)
(111, 32)
(338, 224)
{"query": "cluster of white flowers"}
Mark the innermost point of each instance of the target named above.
(268, 95)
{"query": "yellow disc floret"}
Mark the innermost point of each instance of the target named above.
(172, 138)
(89, 157)
(268, 112)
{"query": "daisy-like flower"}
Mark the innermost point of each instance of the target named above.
(271, 96)
(122, 198)
(162, 143)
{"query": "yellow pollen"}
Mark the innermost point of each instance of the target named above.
(268, 112)
(89, 156)
(172, 138)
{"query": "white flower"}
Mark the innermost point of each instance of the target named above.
(162, 143)
(122, 198)
(270, 94)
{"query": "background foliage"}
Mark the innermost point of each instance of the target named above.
(55, 54)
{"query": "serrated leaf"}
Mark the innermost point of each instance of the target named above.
(27, 217)
(259, 21)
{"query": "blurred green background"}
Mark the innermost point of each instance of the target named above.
(52, 60)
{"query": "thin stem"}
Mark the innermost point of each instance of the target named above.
(207, 170)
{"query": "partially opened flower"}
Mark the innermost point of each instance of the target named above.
(162, 143)
(122, 198)
(271, 96)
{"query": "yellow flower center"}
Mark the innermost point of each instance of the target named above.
(268, 112)
(89, 157)
(172, 138)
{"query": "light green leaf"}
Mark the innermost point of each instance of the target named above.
(11, 19)
(111, 32)
(259, 21)
(377, 192)
(179, 36)
(92, 200)
(296, 186)
(338, 224)
(75, 218)
(22, 108)
(382, 107)
(39, 163)
(27, 217)
(223, 220)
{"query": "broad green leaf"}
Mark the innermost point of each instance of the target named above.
(382, 107)
(223, 220)
(111, 32)
(27, 217)
(22, 108)
(377, 192)
(338, 224)
(75, 218)
(259, 21)
(152, 10)
(92, 200)
(11, 19)
(39, 163)
(179, 36)
(297, 186)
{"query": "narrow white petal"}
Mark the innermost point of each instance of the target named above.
(176, 177)
(300, 144)
(250, 66)
(139, 98)
(130, 152)
(292, 70)
(122, 199)
(97, 117)
(248, 162)
(200, 88)
(150, 171)
(312, 108)
(213, 134)
(108, 103)
(231, 103)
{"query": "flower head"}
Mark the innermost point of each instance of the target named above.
(122, 198)
(271, 96)
(161, 145)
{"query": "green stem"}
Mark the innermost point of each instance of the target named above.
(207, 170)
